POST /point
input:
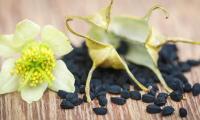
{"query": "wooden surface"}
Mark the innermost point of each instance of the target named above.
(184, 21)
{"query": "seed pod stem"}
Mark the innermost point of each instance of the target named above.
(135, 80)
(162, 81)
(87, 86)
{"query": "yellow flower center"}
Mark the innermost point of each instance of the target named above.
(35, 65)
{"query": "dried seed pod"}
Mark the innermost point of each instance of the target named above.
(143, 40)
(102, 54)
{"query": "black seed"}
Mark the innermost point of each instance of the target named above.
(148, 98)
(100, 110)
(126, 86)
(65, 104)
(164, 53)
(101, 93)
(154, 87)
(182, 112)
(163, 95)
(135, 95)
(187, 87)
(175, 83)
(123, 48)
(125, 94)
(100, 90)
(70, 96)
(181, 77)
(102, 100)
(193, 62)
(176, 96)
(196, 89)
(153, 109)
(106, 86)
(96, 82)
(118, 100)
(115, 89)
(184, 66)
(82, 89)
(160, 101)
(77, 102)
(152, 92)
(168, 110)
(62, 94)
(92, 95)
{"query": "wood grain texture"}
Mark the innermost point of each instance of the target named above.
(184, 21)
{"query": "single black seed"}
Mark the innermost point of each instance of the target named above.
(181, 77)
(196, 89)
(126, 86)
(96, 82)
(162, 95)
(182, 112)
(148, 98)
(118, 100)
(76, 89)
(168, 110)
(77, 102)
(176, 96)
(62, 94)
(125, 94)
(184, 66)
(106, 86)
(152, 92)
(193, 62)
(123, 48)
(82, 89)
(70, 96)
(65, 104)
(101, 93)
(102, 100)
(135, 95)
(187, 87)
(160, 101)
(100, 90)
(115, 89)
(100, 110)
(92, 96)
(154, 87)
(153, 109)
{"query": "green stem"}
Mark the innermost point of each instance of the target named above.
(135, 80)
(87, 86)
(162, 81)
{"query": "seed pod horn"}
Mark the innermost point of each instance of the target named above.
(153, 8)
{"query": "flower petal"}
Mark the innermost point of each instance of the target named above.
(6, 49)
(26, 30)
(30, 94)
(64, 79)
(8, 83)
(57, 40)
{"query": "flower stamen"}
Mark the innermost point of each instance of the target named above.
(35, 65)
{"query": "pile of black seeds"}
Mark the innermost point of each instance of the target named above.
(108, 80)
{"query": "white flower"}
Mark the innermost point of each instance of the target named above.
(31, 66)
